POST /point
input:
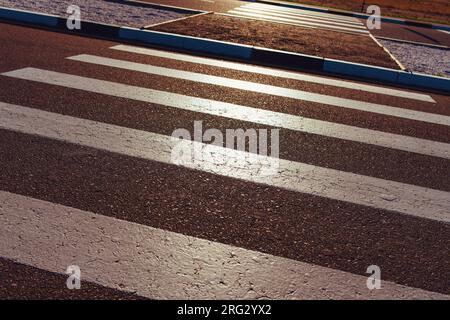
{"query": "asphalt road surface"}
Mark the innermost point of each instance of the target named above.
(88, 178)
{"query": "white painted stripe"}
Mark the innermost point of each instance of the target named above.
(445, 31)
(276, 73)
(299, 177)
(296, 10)
(297, 22)
(304, 13)
(160, 264)
(238, 112)
(301, 19)
(228, 14)
(265, 89)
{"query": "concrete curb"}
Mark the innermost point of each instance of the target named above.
(227, 50)
(355, 15)
(33, 18)
(286, 60)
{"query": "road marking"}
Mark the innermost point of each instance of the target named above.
(301, 16)
(238, 112)
(275, 73)
(266, 89)
(295, 21)
(289, 175)
(298, 10)
(304, 13)
(301, 19)
(227, 14)
(160, 264)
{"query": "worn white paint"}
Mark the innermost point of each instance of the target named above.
(238, 112)
(297, 21)
(265, 89)
(295, 176)
(159, 264)
(277, 73)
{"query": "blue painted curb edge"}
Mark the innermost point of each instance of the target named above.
(29, 17)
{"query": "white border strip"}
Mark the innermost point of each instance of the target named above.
(160, 264)
(238, 112)
(289, 175)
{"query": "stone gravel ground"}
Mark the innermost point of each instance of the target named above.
(421, 59)
(98, 11)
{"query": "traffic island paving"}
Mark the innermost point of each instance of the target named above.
(323, 43)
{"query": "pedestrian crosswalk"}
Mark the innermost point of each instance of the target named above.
(300, 17)
(266, 89)
(315, 180)
(238, 112)
(178, 258)
(360, 178)
(276, 73)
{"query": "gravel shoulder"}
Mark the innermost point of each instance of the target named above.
(421, 59)
(324, 43)
(99, 11)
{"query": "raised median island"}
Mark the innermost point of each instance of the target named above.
(323, 43)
